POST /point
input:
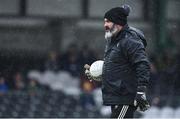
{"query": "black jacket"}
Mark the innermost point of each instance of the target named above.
(126, 66)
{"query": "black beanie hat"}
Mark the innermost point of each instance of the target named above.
(118, 15)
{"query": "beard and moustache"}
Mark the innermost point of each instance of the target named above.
(110, 32)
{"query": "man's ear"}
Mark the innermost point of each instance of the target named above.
(119, 27)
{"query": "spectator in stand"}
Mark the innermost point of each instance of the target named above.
(52, 62)
(176, 89)
(86, 98)
(32, 87)
(154, 78)
(3, 86)
(167, 74)
(71, 60)
(19, 81)
(87, 55)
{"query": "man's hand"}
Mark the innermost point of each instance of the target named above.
(140, 99)
(88, 74)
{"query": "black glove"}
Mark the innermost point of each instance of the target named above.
(140, 99)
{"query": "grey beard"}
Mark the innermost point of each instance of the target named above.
(110, 33)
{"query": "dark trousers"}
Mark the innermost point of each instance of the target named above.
(122, 111)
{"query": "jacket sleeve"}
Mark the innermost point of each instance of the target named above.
(134, 51)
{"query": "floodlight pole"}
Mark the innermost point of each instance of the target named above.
(160, 24)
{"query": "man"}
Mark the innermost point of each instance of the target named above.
(126, 67)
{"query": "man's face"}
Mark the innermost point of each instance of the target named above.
(108, 25)
(110, 29)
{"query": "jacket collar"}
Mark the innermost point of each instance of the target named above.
(121, 33)
(117, 38)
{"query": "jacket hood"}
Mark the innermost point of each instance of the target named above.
(139, 34)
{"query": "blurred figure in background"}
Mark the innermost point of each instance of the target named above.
(154, 78)
(3, 86)
(176, 89)
(71, 60)
(87, 55)
(19, 83)
(156, 101)
(52, 62)
(32, 87)
(86, 98)
(167, 73)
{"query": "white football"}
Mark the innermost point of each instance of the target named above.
(96, 68)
